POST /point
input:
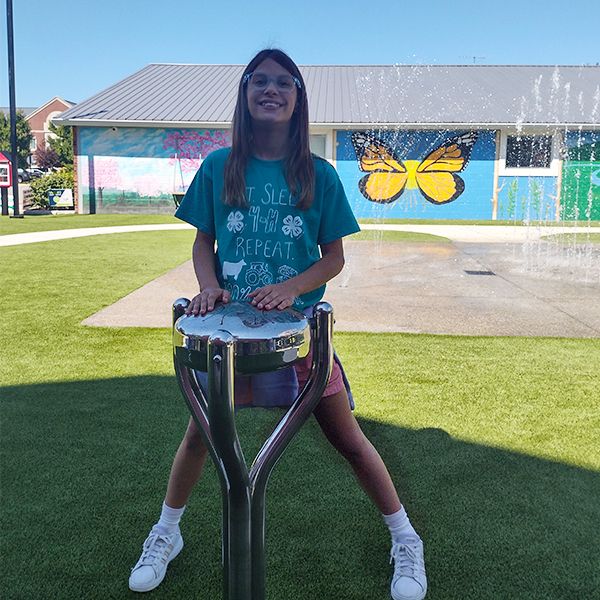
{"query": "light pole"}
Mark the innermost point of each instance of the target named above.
(13, 110)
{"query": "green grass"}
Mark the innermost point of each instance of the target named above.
(396, 236)
(573, 238)
(482, 222)
(493, 443)
(50, 222)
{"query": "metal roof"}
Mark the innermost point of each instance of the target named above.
(355, 95)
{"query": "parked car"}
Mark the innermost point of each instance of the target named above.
(35, 173)
(23, 175)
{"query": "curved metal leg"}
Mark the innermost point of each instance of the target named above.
(227, 445)
(244, 492)
(198, 407)
(191, 390)
(283, 433)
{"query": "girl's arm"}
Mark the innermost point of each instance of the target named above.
(282, 295)
(203, 257)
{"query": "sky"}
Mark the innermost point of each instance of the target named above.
(77, 49)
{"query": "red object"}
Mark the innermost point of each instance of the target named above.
(5, 171)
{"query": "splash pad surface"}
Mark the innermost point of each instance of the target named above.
(458, 288)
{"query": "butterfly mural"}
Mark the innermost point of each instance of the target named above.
(435, 176)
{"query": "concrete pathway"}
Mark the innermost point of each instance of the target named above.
(491, 280)
(34, 237)
(461, 288)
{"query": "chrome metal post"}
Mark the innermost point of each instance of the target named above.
(198, 407)
(288, 426)
(222, 426)
(244, 491)
(190, 389)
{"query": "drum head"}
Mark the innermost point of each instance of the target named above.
(264, 340)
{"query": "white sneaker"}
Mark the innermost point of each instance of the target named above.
(409, 581)
(157, 552)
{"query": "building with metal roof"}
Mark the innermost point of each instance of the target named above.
(521, 132)
(348, 95)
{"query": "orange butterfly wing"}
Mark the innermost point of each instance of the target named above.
(387, 173)
(435, 175)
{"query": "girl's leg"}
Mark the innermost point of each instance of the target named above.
(165, 542)
(187, 467)
(343, 432)
(409, 581)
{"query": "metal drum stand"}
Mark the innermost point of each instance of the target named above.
(238, 337)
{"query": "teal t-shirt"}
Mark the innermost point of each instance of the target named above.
(271, 240)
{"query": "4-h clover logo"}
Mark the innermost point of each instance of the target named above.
(292, 226)
(235, 221)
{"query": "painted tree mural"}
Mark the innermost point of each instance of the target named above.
(187, 148)
(131, 168)
(102, 173)
(149, 185)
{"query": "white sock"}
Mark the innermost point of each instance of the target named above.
(169, 520)
(399, 526)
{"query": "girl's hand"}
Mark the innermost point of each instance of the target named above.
(205, 301)
(279, 295)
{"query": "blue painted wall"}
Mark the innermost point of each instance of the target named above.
(527, 198)
(137, 169)
(475, 202)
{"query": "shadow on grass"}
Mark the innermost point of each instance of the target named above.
(85, 465)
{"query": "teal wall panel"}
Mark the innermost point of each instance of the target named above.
(580, 190)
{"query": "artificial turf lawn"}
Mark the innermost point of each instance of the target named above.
(584, 237)
(497, 223)
(378, 235)
(493, 443)
(51, 222)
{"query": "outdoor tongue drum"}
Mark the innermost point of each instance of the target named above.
(239, 338)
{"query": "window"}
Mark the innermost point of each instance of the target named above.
(4, 176)
(317, 144)
(528, 151)
(33, 145)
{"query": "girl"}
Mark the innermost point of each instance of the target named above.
(278, 215)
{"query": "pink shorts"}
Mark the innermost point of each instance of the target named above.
(280, 388)
(336, 380)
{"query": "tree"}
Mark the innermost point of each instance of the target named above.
(46, 158)
(24, 137)
(62, 143)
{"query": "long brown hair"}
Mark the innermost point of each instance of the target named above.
(299, 168)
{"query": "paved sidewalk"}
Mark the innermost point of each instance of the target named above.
(458, 288)
(491, 280)
(34, 237)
